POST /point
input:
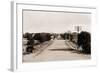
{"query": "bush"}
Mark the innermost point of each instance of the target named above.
(27, 35)
(86, 48)
(29, 49)
(65, 36)
(84, 40)
(30, 42)
(42, 37)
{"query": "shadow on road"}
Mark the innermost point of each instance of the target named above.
(62, 49)
(68, 49)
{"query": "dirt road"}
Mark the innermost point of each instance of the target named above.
(56, 51)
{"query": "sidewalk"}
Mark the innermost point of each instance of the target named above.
(39, 49)
(71, 44)
(42, 47)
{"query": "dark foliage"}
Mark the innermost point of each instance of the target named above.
(65, 36)
(42, 37)
(28, 36)
(39, 37)
(84, 40)
(30, 42)
(29, 49)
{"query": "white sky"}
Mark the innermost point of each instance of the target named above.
(39, 21)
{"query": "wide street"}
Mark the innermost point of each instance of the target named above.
(58, 50)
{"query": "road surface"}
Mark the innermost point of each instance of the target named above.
(58, 50)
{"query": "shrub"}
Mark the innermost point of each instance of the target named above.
(29, 48)
(42, 37)
(27, 35)
(84, 40)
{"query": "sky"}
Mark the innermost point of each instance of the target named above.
(55, 22)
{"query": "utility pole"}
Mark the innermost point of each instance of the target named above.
(78, 29)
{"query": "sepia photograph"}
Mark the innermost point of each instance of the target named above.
(49, 35)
